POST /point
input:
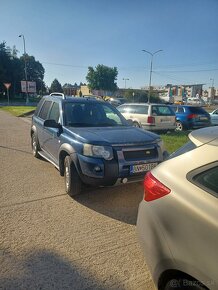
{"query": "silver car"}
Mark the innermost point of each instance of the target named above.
(214, 117)
(152, 117)
(178, 217)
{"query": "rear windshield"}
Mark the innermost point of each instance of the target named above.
(197, 110)
(184, 149)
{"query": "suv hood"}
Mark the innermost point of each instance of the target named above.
(112, 135)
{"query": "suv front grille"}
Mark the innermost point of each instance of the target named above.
(140, 154)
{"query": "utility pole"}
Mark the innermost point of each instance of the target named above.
(25, 68)
(151, 67)
(125, 81)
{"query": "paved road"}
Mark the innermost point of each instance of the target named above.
(51, 241)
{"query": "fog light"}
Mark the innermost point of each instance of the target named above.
(97, 169)
(124, 180)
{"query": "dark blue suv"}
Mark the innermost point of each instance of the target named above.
(90, 142)
(191, 117)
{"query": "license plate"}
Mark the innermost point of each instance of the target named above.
(142, 167)
(203, 118)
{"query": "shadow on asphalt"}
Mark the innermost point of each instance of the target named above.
(120, 202)
(47, 270)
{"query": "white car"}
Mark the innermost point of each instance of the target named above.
(178, 217)
(214, 117)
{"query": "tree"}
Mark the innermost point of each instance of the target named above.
(56, 87)
(5, 66)
(102, 78)
(12, 70)
(35, 71)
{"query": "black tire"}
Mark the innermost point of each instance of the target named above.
(179, 126)
(183, 283)
(35, 146)
(136, 124)
(73, 184)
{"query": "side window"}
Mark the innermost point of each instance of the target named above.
(208, 180)
(44, 110)
(54, 112)
(141, 110)
(162, 111)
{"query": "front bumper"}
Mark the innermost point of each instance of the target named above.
(100, 172)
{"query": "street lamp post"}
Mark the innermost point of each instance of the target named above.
(25, 67)
(125, 81)
(151, 54)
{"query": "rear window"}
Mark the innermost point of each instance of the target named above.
(208, 180)
(197, 110)
(184, 149)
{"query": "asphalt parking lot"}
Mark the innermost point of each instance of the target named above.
(51, 241)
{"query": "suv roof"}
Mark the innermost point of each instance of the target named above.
(60, 96)
(144, 104)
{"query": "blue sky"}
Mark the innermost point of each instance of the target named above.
(68, 36)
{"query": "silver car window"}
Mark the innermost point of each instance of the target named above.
(185, 148)
(208, 180)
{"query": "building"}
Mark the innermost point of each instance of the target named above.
(177, 93)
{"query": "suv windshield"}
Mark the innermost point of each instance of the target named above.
(84, 114)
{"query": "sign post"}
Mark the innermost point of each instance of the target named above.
(7, 85)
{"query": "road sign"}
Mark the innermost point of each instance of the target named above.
(7, 85)
(31, 87)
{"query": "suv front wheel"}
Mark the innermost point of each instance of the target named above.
(35, 146)
(73, 182)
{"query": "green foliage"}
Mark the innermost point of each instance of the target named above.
(102, 78)
(56, 87)
(18, 110)
(140, 96)
(35, 71)
(174, 140)
(12, 70)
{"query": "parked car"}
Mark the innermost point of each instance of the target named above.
(90, 142)
(114, 101)
(178, 217)
(191, 117)
(214, 117)
(151, 117)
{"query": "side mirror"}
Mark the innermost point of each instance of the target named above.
(52, 124)
(130, 122)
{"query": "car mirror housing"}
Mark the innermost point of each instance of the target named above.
(130, 122)
(52, 124)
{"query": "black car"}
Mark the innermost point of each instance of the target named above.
(90, 142)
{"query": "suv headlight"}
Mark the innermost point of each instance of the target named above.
(105, 152)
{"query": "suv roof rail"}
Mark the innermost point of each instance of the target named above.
(58, 94)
